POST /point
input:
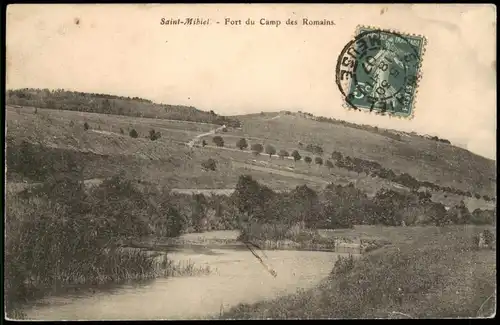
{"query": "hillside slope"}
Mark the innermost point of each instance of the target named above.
(111, 104)
(425, 159)
(168, 161)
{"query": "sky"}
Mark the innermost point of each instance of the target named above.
(238, 69)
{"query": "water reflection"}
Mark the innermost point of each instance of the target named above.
(238, 278)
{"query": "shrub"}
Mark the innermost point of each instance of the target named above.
(270, 150)
(343, 265)
(318, 160)
(71, 123)
(296, 155)
(307, 159)
(242, 144)
(133, 133)
(219, 142)
(283, 153)
(86, 126)
(329, 164)
(203, 143)
(153, 135)
(257, 148)
(209, 164)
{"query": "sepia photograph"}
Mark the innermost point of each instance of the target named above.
(249, 161)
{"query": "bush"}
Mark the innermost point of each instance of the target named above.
(329, 164)
(121, 131)
(209, 164)
(318, 160)
(133, 133)
(86, 126)
(270, 150)
(219, 142)
(283, 153)
(343, 265)
(296, 155)
(307, 159)
(203, 143)
(257, 148)
(153, 135)
(242, 144)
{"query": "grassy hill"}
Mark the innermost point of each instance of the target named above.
(425, 159)
(106, 147)
(111, 104)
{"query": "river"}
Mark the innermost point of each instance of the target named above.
(237, 277)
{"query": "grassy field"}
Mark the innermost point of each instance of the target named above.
(424, 159)
(427, 272)
(167, 161)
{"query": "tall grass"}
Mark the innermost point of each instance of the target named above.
(71, 240)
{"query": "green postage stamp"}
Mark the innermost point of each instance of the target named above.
(379, 70)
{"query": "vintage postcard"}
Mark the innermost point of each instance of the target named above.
(250, 161)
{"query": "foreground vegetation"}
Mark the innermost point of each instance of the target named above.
(60, 234)
(437, 272)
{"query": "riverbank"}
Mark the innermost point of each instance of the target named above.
(435, 274)
(314, 240)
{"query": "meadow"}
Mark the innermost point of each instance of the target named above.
(428, 160)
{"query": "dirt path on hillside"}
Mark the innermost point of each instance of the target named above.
(199, 136)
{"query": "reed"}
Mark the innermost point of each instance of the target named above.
(50, 246)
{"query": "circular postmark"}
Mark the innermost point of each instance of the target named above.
(378, 71)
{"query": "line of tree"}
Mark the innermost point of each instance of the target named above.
(376, 170)
(373, 129)
(111, 104)
(269, 149)
(344, 206)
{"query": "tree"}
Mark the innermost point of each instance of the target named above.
(283, 153)
(209, 164)
(305, 206)
(318, 160)
(219, 142)
(86, 126)
(257, 148)
(307, 159)
(133, 133)
(296, 155)
(153, 135)
(242, 144)
(252, 200)
(198, 211)
(336, 155)
(71, 123)
(121, 131)
(270, 150)
(203, 143)
(329, 164)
